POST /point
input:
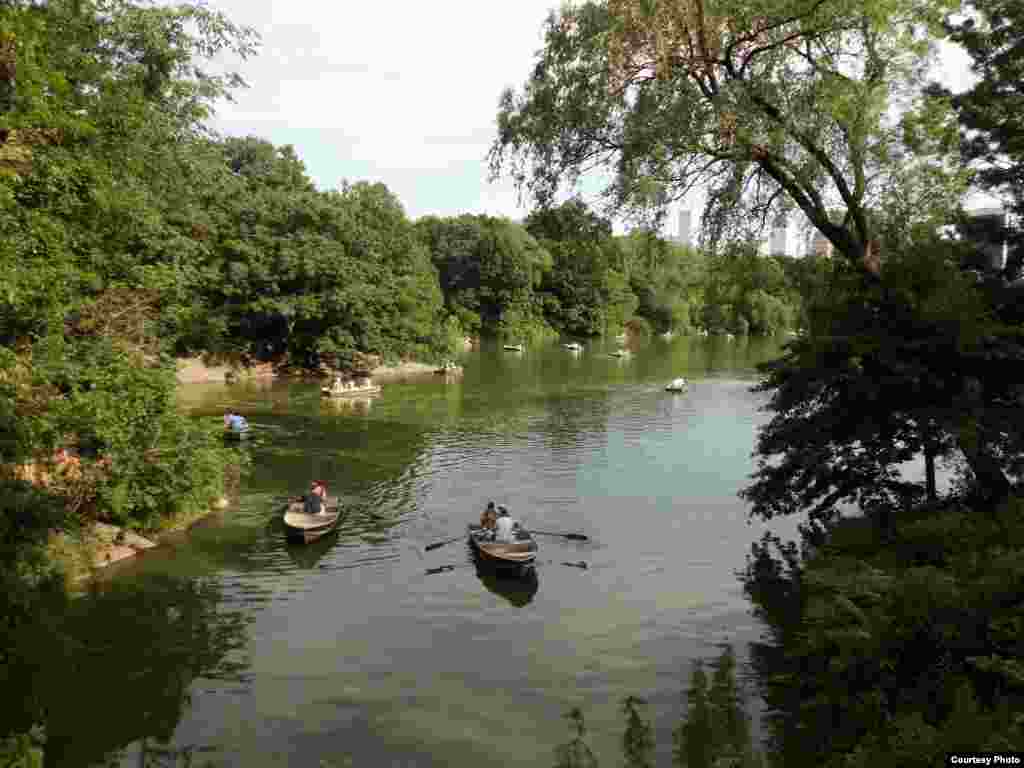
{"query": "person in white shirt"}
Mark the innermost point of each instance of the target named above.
(505, 528)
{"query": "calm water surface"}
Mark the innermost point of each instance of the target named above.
(236, 649)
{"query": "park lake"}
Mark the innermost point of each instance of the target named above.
(232, 647)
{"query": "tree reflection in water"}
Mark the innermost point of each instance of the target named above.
(113, 667)
(714, 733)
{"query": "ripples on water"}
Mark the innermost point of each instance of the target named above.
(355, 650)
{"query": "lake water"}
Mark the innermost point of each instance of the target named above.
(234, 648)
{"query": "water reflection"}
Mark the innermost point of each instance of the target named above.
(518, 586)
(306, 556)
(359, 406)
(115, 666)
(350, 642)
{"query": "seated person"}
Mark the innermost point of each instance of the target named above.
(489, 517)
(235, 422)
(313, 502)
(505, 531)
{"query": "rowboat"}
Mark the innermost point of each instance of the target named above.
(299, 526)
(520, 554)
(514, 347)
(676, 385)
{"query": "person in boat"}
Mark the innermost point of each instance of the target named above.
(489, 517)
(505, 528)
(235, 422)
(313, 502)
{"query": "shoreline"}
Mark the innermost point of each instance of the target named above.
(101, 545)
(194, 370)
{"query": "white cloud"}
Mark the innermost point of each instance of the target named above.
(392, 90)
(404, 93)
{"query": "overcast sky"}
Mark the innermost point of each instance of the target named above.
(400, 92)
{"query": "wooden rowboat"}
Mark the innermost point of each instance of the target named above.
(521, 554)
(298, 526)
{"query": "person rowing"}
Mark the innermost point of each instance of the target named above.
(505, 529)
(235, 422)
(313, 502)
(489, 517)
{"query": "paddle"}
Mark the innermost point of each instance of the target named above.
(445, 568)
(437, 544)
(573, 536)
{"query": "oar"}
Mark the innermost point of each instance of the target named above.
(573, 536)
(441, 543)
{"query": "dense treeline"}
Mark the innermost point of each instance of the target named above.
(129, 235)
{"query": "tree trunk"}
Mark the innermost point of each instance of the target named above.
(929, 467)
(991, 484)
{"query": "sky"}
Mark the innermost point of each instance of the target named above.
(405, 93)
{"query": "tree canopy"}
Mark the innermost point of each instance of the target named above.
(768, 105)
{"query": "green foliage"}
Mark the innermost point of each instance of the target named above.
(716, 728)
(489, 271)
(758, 108)
(898, 650)
(883, 376)
(576, 753)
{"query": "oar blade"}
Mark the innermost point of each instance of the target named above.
(438, 544)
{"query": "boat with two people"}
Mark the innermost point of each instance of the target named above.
(312, 516)
(357, 387)
(500, 541)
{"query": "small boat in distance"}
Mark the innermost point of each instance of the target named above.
(514, 347)
(573, 346)
(351, 388)
(676, 385)
(449, 369)
(301, 527)
(520, 554)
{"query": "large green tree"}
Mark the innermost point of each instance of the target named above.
(587, 293)
(767, 104)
